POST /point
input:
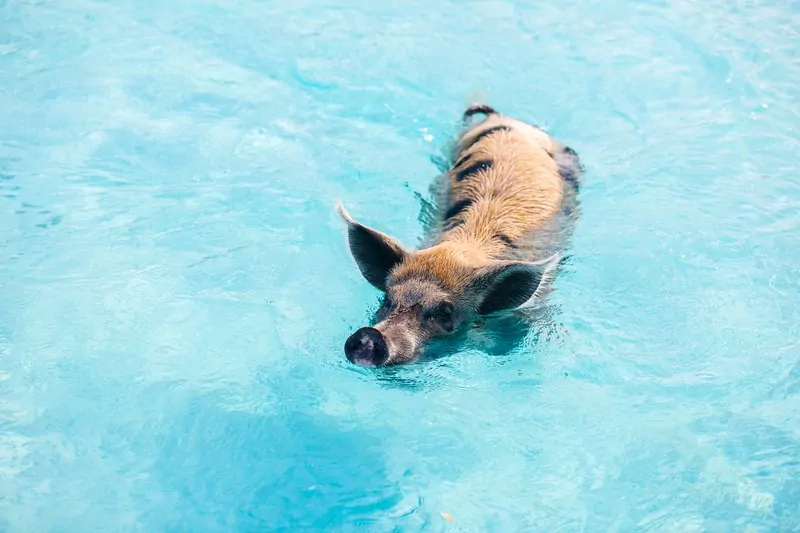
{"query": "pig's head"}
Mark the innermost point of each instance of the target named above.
(430, 294)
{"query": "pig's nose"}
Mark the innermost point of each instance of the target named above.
(366, 347)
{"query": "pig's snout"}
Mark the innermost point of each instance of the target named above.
(366, 347)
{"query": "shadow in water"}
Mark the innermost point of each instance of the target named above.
(241, 471)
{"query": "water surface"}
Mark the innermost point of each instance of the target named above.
(176, 289)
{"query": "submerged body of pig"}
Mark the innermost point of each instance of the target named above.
(507, 203)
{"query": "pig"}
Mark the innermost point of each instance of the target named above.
(508, 203)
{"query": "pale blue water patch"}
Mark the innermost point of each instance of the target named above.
(176, 290)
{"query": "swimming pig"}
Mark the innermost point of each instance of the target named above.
(508, 201)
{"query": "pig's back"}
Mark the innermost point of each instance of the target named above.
(509, 185)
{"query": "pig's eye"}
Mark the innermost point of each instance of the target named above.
(443, 316)
(384, 309)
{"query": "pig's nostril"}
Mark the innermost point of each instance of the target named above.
(366, 347)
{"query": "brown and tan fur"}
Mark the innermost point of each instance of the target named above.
(505, 200)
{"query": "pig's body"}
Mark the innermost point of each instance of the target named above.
(506, 207)
(510, 193)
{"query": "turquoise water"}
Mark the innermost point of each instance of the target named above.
(176, 289)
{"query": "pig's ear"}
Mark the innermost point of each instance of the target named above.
(509, 284)
(376, 253)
